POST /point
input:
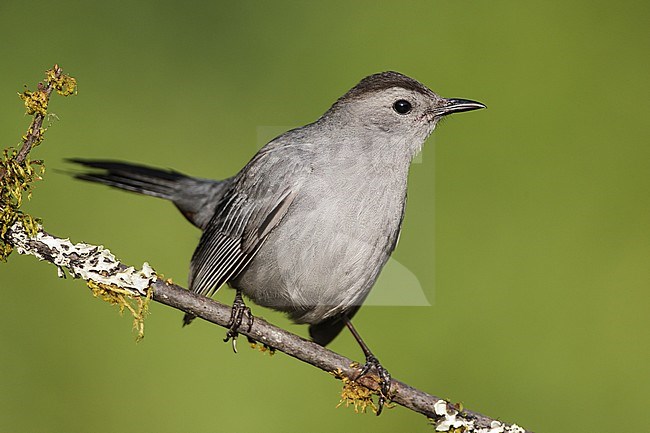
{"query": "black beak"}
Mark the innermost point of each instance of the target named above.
(453, 105)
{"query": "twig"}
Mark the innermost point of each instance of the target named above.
(35, 132)
(17, 172)
(90, 262)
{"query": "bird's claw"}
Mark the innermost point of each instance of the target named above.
(239, 309)
(384, 380)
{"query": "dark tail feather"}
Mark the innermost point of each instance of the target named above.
(324, 332)
(195, 198)
(131, 177)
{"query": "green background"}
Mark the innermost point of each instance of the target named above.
(528, 224)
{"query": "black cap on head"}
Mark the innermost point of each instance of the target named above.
(383, 81)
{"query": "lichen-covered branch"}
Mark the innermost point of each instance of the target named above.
(97, 265)
(17, 171)
(36, 104)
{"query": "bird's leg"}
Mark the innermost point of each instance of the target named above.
(239, 308)
(372, 362)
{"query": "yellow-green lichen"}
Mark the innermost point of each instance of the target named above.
(138, 306)
(15, 185)
(356, 395)
(35, 102)
(17, 171)
(64, 85)
(264, 348)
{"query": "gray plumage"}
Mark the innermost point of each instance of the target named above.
(307, 225)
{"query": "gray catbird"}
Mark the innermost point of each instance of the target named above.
(307, 225)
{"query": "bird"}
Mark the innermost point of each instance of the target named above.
(306, 226)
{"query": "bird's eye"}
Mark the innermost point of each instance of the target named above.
(402, 106)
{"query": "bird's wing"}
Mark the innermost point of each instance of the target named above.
(246, 214)
(232, 239)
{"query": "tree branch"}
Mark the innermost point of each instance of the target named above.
(97, 265)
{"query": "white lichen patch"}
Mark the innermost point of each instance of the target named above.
(450, 420)
(90, 262)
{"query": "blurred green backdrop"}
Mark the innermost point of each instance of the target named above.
(527, 226)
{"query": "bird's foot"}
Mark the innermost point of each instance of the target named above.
(384, 380)
(239, 309)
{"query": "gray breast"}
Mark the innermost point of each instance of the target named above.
(328, 250)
